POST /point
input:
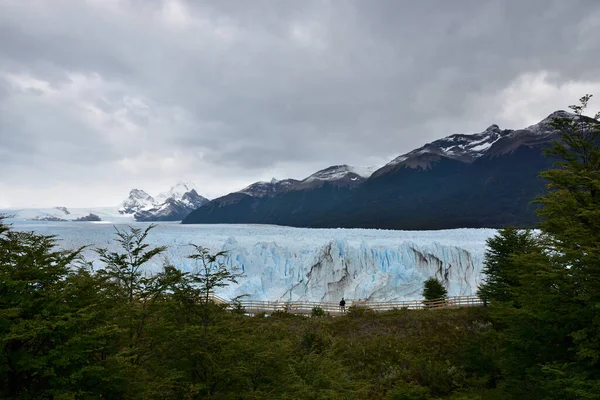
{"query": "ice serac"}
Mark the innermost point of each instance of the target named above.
(282, 263)
(339, 269)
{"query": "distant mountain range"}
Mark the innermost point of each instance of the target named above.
(173, 205)
(487, 179)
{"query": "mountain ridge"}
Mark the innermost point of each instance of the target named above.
(172, 205)
(486, 179)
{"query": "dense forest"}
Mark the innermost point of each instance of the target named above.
(68, 331)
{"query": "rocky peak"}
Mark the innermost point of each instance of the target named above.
(262, 188)
(460, 147)
(337, 172)
(193, 200)
(139, 194)
(493, 129)
(177, 191)
(136, 201)
(545, 126)
(172, 205)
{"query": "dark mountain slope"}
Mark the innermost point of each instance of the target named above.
(490, 192)
(482, 180)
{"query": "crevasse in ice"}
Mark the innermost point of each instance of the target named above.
(292, 264)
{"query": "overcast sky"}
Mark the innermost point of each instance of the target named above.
(100, 96)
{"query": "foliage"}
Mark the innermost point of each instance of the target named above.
(124, 270)
(318, 312)
(358, 311)
(52, 335)
(212, 273)
(571, 279)
(237, 306)
(67, 332)
(545, 290)
(433, 289)
(410, 392)
(500, 269)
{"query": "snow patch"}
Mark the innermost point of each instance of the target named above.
(176, 192)
(338, 172)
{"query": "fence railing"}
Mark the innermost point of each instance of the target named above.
(305, 307)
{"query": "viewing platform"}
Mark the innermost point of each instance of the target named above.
(253, 307)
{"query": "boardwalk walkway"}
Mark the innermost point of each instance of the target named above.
(253, 307)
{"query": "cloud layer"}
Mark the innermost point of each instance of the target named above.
(100, 96)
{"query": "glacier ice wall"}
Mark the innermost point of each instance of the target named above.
(291, 264)
(337, 269)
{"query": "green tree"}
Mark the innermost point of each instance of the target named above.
(500, 268)
(54, 339)
(433, 289)
(191, 341)
(570, 216)
(571, 208)
(129, 287)
(125, 269)
(212, 273)
(549, 345)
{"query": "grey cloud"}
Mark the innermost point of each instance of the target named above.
(254, 86)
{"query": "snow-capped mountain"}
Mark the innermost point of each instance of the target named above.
(534, 135)
(468, 148)
(544, 127)
(486, 179)
(192, 199)
(176, 192)
(173, 205)
(339, 172)
(136, 201)
(459, 147)
(262, 188)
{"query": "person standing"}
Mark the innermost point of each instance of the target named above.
(343, 305)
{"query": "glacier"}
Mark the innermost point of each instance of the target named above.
(294, 264)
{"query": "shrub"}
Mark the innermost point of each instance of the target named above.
(317, 312)
(357, 311)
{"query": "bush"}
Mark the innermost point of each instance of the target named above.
(236, 305)
(318, 312)
(358, 311)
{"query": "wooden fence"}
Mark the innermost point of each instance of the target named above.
(252, 307)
